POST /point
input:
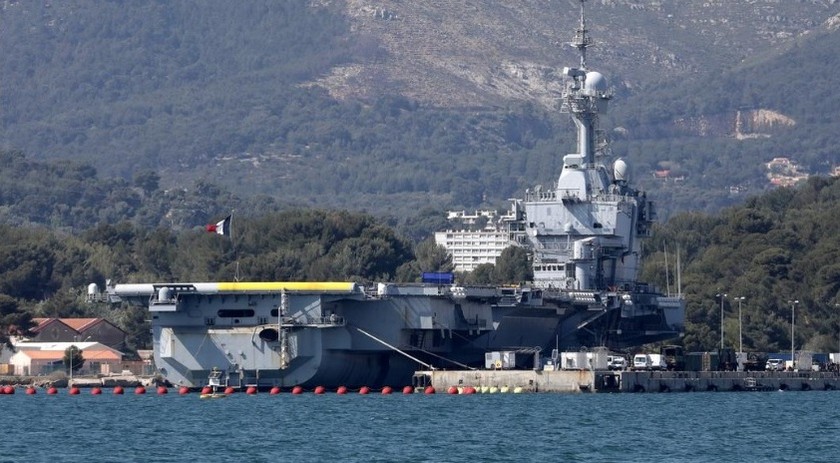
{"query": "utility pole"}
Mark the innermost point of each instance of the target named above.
(722, 296)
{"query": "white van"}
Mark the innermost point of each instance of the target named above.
(649, 362)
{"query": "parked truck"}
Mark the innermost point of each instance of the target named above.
(674, 357)
(652, 362)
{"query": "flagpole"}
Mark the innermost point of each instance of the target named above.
(233, 247)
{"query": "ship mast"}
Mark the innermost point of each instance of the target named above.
(581, 41)
(585, 96)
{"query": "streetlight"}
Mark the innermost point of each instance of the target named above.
(72, 348)
(722, 296)
(836, 360)
(740, 326)
(792, 340)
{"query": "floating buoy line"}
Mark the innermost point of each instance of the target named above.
(208, 392)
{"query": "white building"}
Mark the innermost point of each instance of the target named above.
(43, 358)
(469, 249)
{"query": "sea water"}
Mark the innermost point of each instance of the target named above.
(678, 427)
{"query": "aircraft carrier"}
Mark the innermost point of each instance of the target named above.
(583, 232)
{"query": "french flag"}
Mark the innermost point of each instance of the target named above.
(222, 227)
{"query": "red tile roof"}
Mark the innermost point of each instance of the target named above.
(89, 355)
(78, 324)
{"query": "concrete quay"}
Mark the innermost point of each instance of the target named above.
(688, 381)
(582, 381)
(525, 380)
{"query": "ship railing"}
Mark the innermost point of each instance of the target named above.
(314, 322)
(551, 195)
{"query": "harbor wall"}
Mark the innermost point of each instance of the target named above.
(527, 380)
(577, 381)
(687, 381)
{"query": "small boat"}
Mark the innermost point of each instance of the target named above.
(213, 382)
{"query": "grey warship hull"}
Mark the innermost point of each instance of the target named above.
(334, 334)
(583, 233)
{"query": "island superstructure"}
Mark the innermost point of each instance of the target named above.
(583, 233)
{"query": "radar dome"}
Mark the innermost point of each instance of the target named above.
(620, 170)
(595, 82)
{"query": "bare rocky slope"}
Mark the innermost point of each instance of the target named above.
(480, 52)
(211, 91)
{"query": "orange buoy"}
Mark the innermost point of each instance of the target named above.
(96, 391)
(469, 390)
(297, 390)
(162, 390)
(30, 390)
(118, 390)
(229, 390)
(274, 390)
(183, 390)
(251, 390)
(341, 390)
(52, 390)
(319, 389)
(364, 390)
(408, 390)
(207, 390)
(387, 390)
(9, 390)
(452, 390)
(74, 390)
(139, 390)
(429, 390)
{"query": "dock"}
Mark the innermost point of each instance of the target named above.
(586, 381)
(688, 381)
(520, 380)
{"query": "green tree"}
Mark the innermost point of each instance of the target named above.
(147, 180)
(73, 358)
(513, 266)
(134, 321)
(428, 257)
(14, 321)
(432, 257)
(482, 275)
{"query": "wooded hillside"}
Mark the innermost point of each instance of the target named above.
(779, 247)
(391, 107)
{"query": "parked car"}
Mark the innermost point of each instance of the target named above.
(775, 365)
(616, 362)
